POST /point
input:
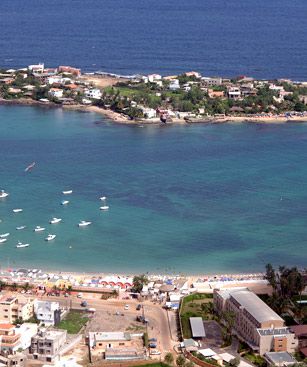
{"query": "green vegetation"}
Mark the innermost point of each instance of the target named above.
(180, 361)
(73, 322)
(169, 358)
(287, 285)
(138, 282)
(195, 305)
(205, 359)
(256, 359)
(145, 340)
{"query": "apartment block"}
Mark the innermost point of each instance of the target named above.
(255, 322)
(47, 344)
(13, 308)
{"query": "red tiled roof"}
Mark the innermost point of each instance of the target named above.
(6, 326)
(299, 330)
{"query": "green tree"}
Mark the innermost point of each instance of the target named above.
(138, 282)
(234, 362)
(169, 358)
(229, 320)
(180, 361)
(270, 276)
(189, 364)
(27, 286)
(14, 287)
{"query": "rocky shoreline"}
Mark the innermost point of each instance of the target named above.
(122, 119)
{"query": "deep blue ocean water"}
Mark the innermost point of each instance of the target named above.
(263, 38)
(190, 199)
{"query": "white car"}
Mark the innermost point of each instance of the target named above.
(155, 352)
(126, 307)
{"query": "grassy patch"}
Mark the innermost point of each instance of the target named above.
(195, 305)
(73, 322)
(135, 328)
(256, 359)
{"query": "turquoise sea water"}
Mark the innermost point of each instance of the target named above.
(191, 199)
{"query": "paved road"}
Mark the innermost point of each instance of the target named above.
(158, 322)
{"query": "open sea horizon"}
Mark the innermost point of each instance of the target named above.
(263, 38)
(191, 199)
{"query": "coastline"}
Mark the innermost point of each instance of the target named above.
(121, 119)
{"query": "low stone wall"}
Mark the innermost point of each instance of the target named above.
(197, 361)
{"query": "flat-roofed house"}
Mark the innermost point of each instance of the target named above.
(197, 327)
(47, 345)
(115, 346)
(255, 322)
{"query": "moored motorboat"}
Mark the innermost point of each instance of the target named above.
(64, 202)
(21, 245)
(4, 235)
(3, 240)
(17, 210)
(67, 192)
(50, 237)
(104, 207)
(39, 229)
(84, 223)
(3, 194)
(20, 227)
(103, 198)
(55, 220)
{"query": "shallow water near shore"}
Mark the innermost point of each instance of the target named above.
(190, 199)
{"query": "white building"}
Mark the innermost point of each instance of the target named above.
(38, 68)
(47, 312)
(152, 78)
(234, 93)
(149, 113)
(174, 84)
(56, 92)
(93, 93)
(26, 331)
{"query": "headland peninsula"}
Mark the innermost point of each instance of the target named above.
(186, 98)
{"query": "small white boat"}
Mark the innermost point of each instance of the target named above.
(104, 207)
(17, 210)
(67, 192)
(103, 198)
(4, 235)
(3, 194)
(20, 227)
(84, 223)
(50, 237)
(39, 229)
(64, 202)
(3, 240)
(55, 220)
(21, 245)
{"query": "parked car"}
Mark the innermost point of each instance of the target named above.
(83, 304)
(152, 345)
(152, 340)
(126, 307)
(155, 352)
(138, 307)
(79, 295)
